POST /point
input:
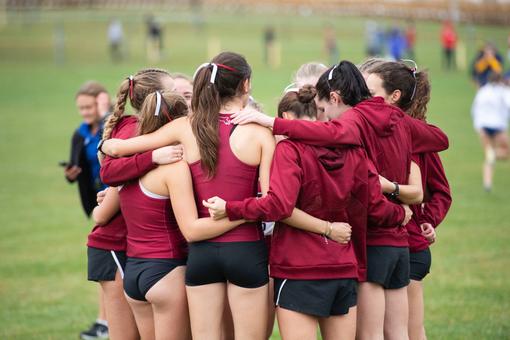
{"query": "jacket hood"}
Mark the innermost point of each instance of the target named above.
(381, 116)
(330, 158)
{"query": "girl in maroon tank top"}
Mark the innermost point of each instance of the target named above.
(156, 208)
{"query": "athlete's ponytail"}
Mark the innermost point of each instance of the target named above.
(300, 102)
(345, 79)
(136, 88)
(215, 83)
(414, 86)
(160, 108)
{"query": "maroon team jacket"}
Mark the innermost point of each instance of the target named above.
(436, 203)
(116, 171)
(331, 184)
(112, 236)
(389, 137)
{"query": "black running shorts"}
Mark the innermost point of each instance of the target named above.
(388, 266)
(243, 264)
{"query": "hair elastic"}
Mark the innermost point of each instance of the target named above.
(158, 103)
(131, 85)
(214, 70)
(330, 75)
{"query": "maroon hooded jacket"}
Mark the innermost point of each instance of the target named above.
(331, 184)
(111, 236)
(389, 137)
(436, 203)
(116, 171)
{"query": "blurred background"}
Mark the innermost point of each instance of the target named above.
(49, 48)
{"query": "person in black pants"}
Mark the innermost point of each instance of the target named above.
(83, 167)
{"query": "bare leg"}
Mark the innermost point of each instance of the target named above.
(501, 145)
(227, 323)
(170, 306)
(490, 158)
(416, 311)
(101, 308)
(396, 314)
(206, 305)
(371, 305)
(144, 317)
(339, 327)
(249, 311)
(296, 326)
(121, 322)
(271, 310)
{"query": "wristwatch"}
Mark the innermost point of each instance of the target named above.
(396, 192)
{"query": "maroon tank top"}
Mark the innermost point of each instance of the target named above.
(152, 231)
(234, 181)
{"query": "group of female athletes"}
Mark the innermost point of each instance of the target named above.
(356, 190)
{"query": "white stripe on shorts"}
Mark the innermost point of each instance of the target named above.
(118, 263)
(280, 291)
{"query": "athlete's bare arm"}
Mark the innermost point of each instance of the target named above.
(168, 134)
(110, 205)
(411, 193)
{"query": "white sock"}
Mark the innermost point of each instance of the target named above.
(102, 322)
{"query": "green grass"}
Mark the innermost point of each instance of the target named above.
(44, 293)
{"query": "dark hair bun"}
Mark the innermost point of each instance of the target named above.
(306, 94)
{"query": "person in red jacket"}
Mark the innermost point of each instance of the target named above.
(389, 137)
(448, 43)
(330, 184)
(409, 89)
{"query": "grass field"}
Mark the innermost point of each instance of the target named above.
(44, 293)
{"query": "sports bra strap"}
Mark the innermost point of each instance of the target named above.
(232, 129)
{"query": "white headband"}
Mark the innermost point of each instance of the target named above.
(330, 75)
(414, 70)
(291, 88)
(213, 74)
(158, 103)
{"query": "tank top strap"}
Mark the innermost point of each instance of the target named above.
(226, 129)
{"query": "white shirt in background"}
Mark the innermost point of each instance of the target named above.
(491, 107)
(115, 33)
